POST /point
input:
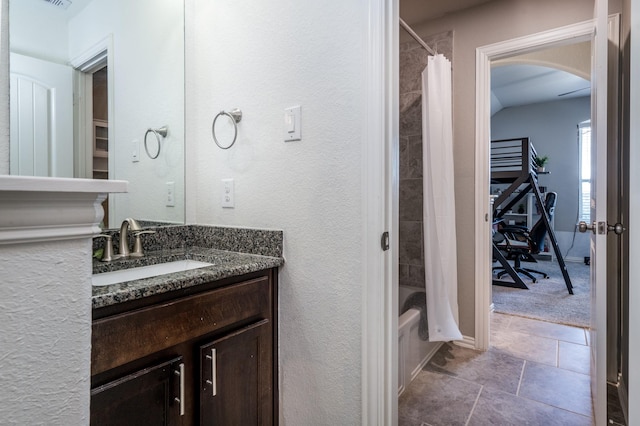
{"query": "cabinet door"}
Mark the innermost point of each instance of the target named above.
(151, 396)
(236, 378)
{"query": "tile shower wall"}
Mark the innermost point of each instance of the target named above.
(413, 60)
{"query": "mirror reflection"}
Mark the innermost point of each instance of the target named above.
(88, 79)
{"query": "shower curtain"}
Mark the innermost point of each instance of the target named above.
(439, 202)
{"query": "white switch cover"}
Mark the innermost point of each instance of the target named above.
(228, 196)
(171, 194)
(135, 151)
(292, 131)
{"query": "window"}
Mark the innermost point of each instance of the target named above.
(584, 144)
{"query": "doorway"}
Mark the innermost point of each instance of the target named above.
(99, 119)
(93, 113)
(562, 36)
(541, 101)
(512, 386)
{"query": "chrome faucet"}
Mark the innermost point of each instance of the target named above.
(123, 247)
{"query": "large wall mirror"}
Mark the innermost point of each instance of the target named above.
(97, 91)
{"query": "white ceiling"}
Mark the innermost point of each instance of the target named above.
(74, 8)
(516, 85)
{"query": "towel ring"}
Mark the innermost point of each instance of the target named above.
(235, 115)
(162, 131)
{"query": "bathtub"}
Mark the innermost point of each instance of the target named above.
(413, 352)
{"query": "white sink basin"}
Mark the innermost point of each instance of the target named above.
(123, 275)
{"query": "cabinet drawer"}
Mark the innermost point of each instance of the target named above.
(123, 338)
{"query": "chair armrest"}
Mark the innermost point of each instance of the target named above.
(514, 229)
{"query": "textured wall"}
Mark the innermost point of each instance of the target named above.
(45, 336)
(263, 57)
(492, 22)
(413, 60)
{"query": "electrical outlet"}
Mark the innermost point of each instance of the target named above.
(228, 195)
(171, 194)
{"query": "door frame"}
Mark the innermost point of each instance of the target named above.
(570, 34)
(633, 384)
(85, 64)
(380, 154)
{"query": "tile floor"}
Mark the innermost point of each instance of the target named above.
(535, 373)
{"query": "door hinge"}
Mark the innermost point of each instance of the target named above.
(384, 241)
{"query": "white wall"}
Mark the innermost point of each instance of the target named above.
(46, 333)
(4, 87)
(492, 22)
(46, 227)
(148, 70)
(263, 57)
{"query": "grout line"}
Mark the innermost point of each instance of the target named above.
(524, 363)
(557, 408)
(474, 405)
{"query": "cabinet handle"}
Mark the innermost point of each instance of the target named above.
(180, 373)
(212, 382)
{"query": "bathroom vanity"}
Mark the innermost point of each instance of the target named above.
(187, 348)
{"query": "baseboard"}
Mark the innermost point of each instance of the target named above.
(428, 355)
(426, 359)
(466, 342)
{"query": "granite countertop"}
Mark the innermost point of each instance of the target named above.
(233, 251)
(225, 264)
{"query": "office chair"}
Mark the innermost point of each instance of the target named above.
(521, 244)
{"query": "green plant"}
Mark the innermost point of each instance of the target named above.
(540, 161)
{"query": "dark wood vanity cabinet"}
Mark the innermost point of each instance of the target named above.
(234, 374)
(207, 358)
(149, 396)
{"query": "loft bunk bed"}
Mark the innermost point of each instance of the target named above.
(512, 163)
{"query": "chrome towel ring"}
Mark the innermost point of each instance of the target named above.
(162, 131)
(235, 115)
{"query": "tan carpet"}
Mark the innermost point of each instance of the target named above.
(548, 299)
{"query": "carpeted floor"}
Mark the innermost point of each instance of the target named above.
(548, 299)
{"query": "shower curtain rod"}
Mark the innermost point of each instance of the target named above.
(416, 37)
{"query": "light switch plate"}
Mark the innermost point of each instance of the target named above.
(292, 124)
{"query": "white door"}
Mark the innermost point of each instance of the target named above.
(41, 109)
(599, 214)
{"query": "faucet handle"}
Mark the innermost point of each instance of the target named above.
(107, 254)
(137, 245)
